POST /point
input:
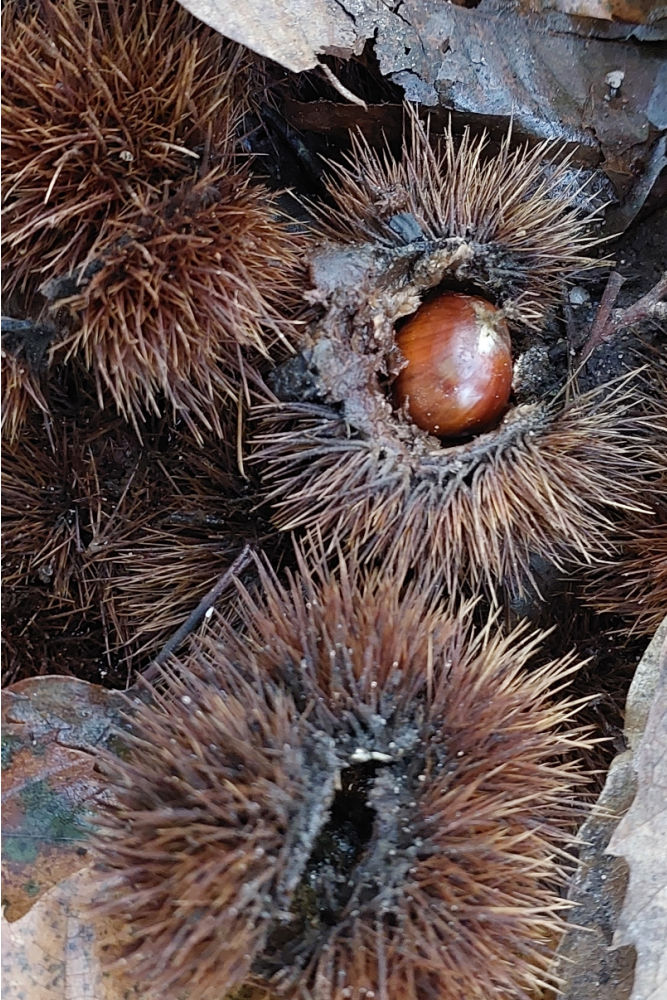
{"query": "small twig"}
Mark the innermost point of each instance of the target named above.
(649, 306)
(341, 88)
(599, 330)
(620, 218)
(199, 613)
(608, 323)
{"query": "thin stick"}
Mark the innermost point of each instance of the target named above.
(619, 219)
(341, 88)
(601, 322)
(649, 306)
(197, 616)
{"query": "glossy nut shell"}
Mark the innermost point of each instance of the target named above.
(458, 376)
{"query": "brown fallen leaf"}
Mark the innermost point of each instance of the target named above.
(293, 32)
(630, 11)
(550, 73)
(602, 96)
(53, 952)
(50, 725)
(56, 952)
(594, 963)
(641, 838)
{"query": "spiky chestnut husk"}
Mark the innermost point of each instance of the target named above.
(634, 583)
(108, 537)
(176, 270)
(337, 456)
(186, 304)
(355, 794)
(67, 498)
(101, 103)
(203, 518)
(55, 506)
(21, 395)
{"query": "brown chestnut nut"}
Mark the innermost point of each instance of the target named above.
(459, 373)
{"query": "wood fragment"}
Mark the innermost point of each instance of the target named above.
(610, 321)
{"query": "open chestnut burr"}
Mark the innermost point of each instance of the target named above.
(389, 435)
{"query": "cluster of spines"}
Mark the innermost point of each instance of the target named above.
(455, 191)
(126, 197)
(21, 395)
(103, 105)
(105, 535)
(186, 305)
(59, 516)
(547, 484)
(633, 582)
(195, 531)
(464, 770)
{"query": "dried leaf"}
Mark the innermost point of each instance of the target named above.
(53, 952)
(641, 838)
(56, 952)
(293, 32)
(553, 83)
(552, 77)
(632, 11)
(49, 726)
(589, 967)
